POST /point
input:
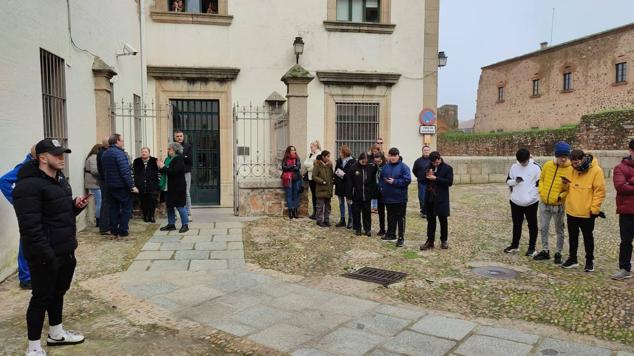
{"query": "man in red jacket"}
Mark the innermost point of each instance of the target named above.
(624, 184)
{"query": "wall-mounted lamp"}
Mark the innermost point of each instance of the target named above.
(442, 59)
(298, 47)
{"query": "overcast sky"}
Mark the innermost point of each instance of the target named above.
(475, 33)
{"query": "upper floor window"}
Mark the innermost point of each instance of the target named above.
(567, 81)
(358, 10)
(196, 6)
(621, 72)
(500, 94)
(535, 87)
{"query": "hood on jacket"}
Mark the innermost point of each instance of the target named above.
(628, 161)
(31, 169)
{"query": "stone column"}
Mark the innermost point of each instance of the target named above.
(102, 74)
(430, 65)
(296, 80)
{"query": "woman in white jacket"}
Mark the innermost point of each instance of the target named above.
(523, 181)
(315, 150)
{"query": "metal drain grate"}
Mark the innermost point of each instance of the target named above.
(496, 272)
(375, 275)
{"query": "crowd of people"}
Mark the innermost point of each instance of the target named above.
(46, 212)
(567, 190)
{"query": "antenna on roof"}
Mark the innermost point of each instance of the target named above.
(552, 26)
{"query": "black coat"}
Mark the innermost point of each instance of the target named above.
(146, 178)
(187, 156)
(99, 164)
(420, 167)
(46, 214)
(362, 183)
(341, 187)
(438, 191)
(176, 185)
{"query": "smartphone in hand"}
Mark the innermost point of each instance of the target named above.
(519, 179)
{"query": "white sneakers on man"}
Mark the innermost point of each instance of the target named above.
(65, 337)
(38, 352)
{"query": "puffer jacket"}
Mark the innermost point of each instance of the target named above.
(395, 193)
(524, 193)
(146, 177)
(309, 163)
(46, 214)
(362, 183)
(116, 169)
(91, 173)
(323, 176)
(624, 183)
(586, 191)
(551, 185)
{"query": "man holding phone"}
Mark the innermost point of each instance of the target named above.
(46, 215)
(522, 180)
(394, 179)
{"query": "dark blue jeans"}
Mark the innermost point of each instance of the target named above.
(292, 194)
(422, 188)
(120, 210)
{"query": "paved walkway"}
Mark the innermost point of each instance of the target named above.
(201, 276)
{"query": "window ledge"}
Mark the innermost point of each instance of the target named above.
(499, 102)
(364, 27)
(566, 91)
(618, 84)
(191, 18)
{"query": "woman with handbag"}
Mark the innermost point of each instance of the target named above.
(309, 162)
(291, 180)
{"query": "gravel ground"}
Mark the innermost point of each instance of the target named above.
(479, 229)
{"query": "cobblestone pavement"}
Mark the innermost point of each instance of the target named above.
(200, 276)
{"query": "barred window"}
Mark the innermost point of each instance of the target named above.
(357, 126)
(500, 94)
(535, 87)
(53, 97)
(567, 81)
(621, 72)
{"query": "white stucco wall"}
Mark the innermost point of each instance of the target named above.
(259, 42)
(27, 26)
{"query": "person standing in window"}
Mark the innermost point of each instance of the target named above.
(146, 178)
(420, 170)
(91, 179)
(291, 180)
(179, 137)
(176, 188)
(395, 178)
(438, 178)
(315, 150)
(323, 177)
(362, 189)
(342, 167)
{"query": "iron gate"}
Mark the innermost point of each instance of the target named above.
(260, 138)
(137, 122)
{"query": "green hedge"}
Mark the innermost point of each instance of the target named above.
(464, 137)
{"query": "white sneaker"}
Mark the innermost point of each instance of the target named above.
(39, 352)
(65, 338)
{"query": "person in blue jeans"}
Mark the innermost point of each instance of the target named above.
(420, 167)
(342, 168)
(119, 182)
(7, 183)
(291, 180)
(176, 193)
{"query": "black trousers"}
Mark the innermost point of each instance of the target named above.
(518, 213)
(362, 210)
(586, 225)
(313, 192)
(626, 225)
(396, 218)
(104, 214)
(431, 223)
(381, 209)
(148, 204)
(49, 281)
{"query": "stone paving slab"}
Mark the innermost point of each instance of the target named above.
(207, 265)
(559, 347)
(227, 254)
(161, 239)
(170, 265)
(512, 335)
(175, 246)
(235, 245)
(138, 266)
(217, 246)
(151, 246)
(400, 312)
(213, 232)
(345, 341)
(196, 239)
(441, 326)
(310, 352)
(261, 316)
(347, 305)
(485, 345)
(191, 255)
(282, 337)
(319, 321)
(412, 343)
(379, 324)
(193, 295)
(155, 255)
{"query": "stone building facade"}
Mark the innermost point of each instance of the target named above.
(557, 85)
(447, 118)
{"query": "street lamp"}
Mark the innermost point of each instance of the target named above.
(442, 59)
(298, 46)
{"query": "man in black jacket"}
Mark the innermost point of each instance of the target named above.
(419, 169)
(179, 137)
(46, 215)
(438, 177)
(104, 212)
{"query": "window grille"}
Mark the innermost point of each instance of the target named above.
(357, 125)
(621, 72)
(53, 97)
(567, 81)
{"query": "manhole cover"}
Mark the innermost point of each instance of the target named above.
(496, 272)
(375, 275)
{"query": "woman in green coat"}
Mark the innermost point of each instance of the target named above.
(323, 177)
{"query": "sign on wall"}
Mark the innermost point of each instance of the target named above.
(427, 130)
(427, 117)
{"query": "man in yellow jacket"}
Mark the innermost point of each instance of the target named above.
(552, 197)
(586, 193)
